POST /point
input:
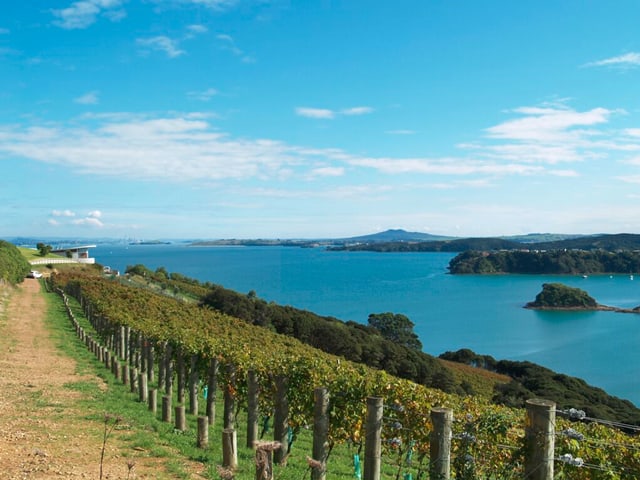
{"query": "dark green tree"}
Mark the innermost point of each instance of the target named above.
(44, 249)
(397, 328)
(13, 266)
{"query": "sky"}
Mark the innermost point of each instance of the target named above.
(157, 119)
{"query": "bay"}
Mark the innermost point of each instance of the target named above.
(483, 313)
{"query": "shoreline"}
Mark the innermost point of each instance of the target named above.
(598, 308)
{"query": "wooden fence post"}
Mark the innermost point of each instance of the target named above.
(143, 391)
(264, 459)
(124, 373)
(133, 379)
(320, 432)
(122, 342)
(252, 408)
(153, 400)
(281, 419)
(373, 439)
(539, 439)
(166, 408)
(440, 448)
(229, 448)
(203, 432)
(181, 418)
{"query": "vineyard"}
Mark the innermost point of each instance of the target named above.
(163, 345)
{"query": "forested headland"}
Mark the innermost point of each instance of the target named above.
(545, 262)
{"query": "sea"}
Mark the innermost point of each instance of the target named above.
(481, 312)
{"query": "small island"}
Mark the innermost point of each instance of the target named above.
(556, 296)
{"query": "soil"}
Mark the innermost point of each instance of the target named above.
(44, 433)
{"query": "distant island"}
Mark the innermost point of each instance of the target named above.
(556, 296)
(150, 242)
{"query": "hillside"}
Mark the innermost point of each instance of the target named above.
(612, 243)
(529, 379)
(393, 235)
(455, 245)
(560, 261)
(353, 341)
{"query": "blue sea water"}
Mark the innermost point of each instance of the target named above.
(483, 313)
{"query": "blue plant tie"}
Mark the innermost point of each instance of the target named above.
(357, 469)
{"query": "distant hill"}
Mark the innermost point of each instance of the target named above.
(455, 245)
(542, 237)
(395, 235)
(609, 242)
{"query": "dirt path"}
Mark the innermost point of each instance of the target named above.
(43, 433)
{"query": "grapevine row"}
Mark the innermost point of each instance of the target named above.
(205, 334)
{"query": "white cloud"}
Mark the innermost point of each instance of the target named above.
(84, 13)
(89, 221)
(197, 28)
(356, 111)
(445, 166)
(327, 114)
(161, 43)
(213, 4)
(188, 147)
(548, 124)
(564, 173)
(632, 132)
(635, 179)
(179, 148)
(627, 60)
(229, 44)
(327, 172)
(552, 134)
(315, 112)
(89, 98)
(204, 95)
(63, 213)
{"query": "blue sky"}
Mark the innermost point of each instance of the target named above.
(303, 119)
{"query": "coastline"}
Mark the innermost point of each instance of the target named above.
(598, 308)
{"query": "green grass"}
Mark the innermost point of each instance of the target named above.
(146, 434)
(33, 254)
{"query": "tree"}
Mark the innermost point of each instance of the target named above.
(397, 328)
(44, 249)
(13, 266)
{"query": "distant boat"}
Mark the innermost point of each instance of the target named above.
(631, 277)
